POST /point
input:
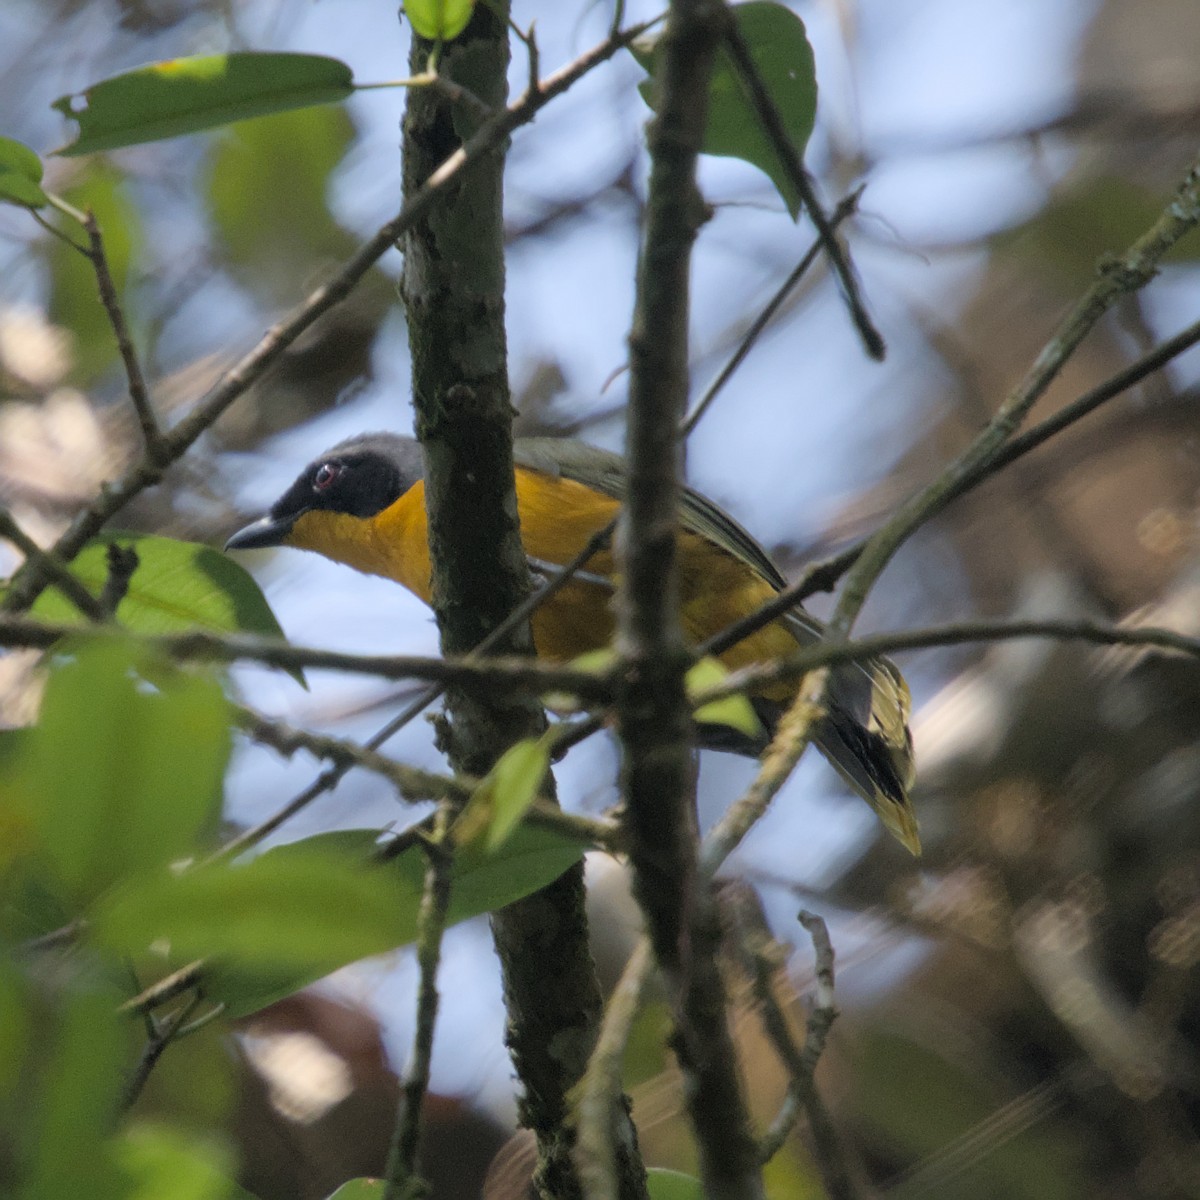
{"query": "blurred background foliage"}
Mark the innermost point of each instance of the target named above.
(1021, 1008)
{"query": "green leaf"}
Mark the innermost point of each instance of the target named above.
(439, 20)
(118, 777)
(779, 46)
(306, 913)
(69, 1119)
(74, 299)
(20, 175)
(529, 860)
(183, 95)
(735, 711)
(359, 1189)
(672, 1185)
(300, 911)
(163, 1164)
(177, 586)
(505, 794)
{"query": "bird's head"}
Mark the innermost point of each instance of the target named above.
(332, 503)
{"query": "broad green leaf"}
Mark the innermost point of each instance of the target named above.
(530, 859)
(119, 777)
(439, 20)
(304, 913)
(672, 1185)
(20, 175)
(735, 711)
(74, 300)
(68, 1122)
(302, 910)
(161, 1163)
(183, 95)
(779, 46)
(177, 586)
(505, 794)
(359, 1189)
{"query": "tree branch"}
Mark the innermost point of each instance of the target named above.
(522, 674)
(653, 713)
(1117, 277)
(601, 1111)
(828, 654)
(52, 570)
(846, 208)
(402, 1180)
(761, 958)
(454, 299)
(152, 438)
(823, 576)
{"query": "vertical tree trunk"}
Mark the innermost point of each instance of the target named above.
(453, 293)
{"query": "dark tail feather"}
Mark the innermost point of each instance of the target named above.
(871, 751)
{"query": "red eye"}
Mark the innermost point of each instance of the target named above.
(327, 475)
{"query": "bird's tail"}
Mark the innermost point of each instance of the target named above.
(864, 733)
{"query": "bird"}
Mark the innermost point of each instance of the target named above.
(362, 503)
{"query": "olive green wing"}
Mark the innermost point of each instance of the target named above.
(605, 471)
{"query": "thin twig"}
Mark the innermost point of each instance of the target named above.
(654, 718)
(412, 784)
(164, 1033)
(600, 1089)
(846, 208)
(152, 437)
(793, 165)
(52, 569)
(761, 957)
(831, 653)
(205, 646)
(402, 1180)
(165, 989)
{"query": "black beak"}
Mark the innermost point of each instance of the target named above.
(266, 531)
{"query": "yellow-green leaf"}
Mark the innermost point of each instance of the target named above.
(294, 914)
(162, 1163)
(359, 1189)
(20, 175)
(505, 794)
(734, 711)
(662, 1184)
(118, 776)
(177, 586)
(439, 20)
